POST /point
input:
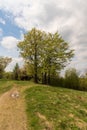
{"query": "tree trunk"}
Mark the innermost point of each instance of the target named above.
(42, 78)
(35, 65)
(48, 78)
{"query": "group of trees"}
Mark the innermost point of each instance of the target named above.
(20, 73)
(45, 54)
(73, 80)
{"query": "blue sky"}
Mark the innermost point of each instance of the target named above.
(66, 16)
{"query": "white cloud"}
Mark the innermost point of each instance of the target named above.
(2, 21)
(9, 42)
(26, 13)
(45, 14)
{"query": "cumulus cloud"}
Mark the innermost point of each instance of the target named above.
(45, 14)
(9, 42)
(2, 21)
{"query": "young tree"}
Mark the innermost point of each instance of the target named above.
(47, 53)
(4, 61)
(16, 72)
(71, 79)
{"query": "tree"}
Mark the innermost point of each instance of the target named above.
(1, 71)
(4, 61)
(47, 53)
(30, 49)
(24, 73)
(56, 55)
(71, 79)
(16, 72)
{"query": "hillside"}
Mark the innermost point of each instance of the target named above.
(53, 108)
(41, 107)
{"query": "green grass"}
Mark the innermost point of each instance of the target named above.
(52, 108)
(5, 86)
(64, 109)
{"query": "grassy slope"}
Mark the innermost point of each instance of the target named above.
(56, 108)
(52, 108)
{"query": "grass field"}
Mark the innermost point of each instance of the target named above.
(50, 108)
(53, 108)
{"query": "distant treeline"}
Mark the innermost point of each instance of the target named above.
(71, 79)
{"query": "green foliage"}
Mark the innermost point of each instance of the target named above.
(71, 79)
(4, 61)
(16, 72)
(83, 83)
(30, 49)
(24, 75)
(56, 54)
(8, 75)
(21, 73)
(1, 71)
(45, 53)
(57, 81)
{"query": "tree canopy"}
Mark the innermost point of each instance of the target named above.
(4, 61)
(45, 53)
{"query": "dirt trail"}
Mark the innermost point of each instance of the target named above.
(12, 111)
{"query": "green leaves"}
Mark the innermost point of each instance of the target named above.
(4, 61)
(47, 52)
(16, 72)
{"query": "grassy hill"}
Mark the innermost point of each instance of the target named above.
(54, 108)
(50, 108)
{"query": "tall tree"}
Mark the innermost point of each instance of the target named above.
(16, 72)
(30, 49)
(4, 61)
(47, 53)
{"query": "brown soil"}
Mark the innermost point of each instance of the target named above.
(12, 111)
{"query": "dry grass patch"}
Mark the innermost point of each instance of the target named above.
(47, 124)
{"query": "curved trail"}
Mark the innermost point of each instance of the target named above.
(12, 111)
